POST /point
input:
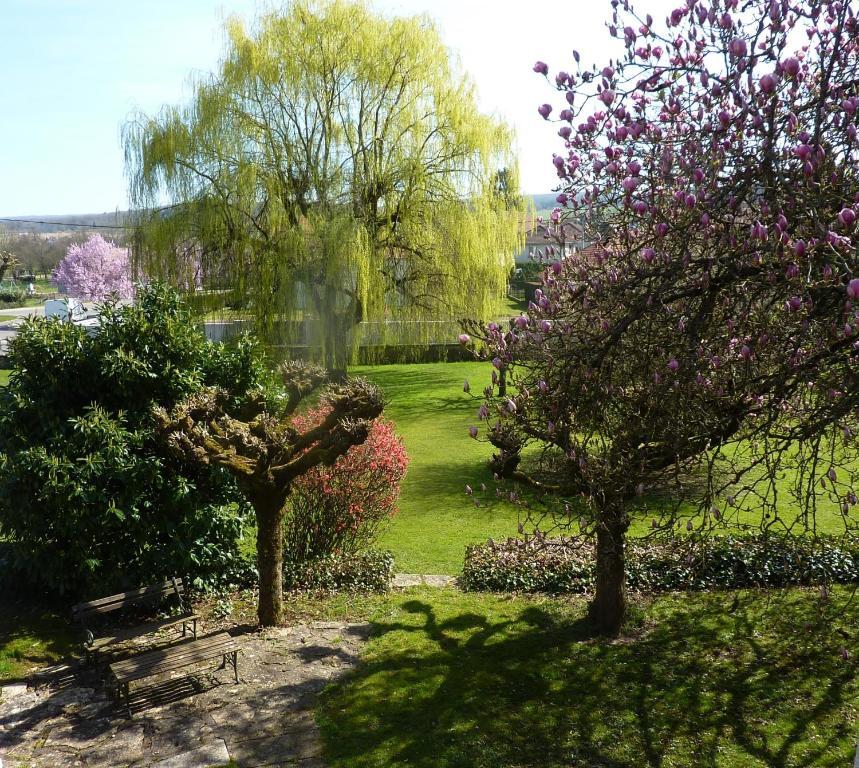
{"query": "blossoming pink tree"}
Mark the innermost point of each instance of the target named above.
(712, 332)
(95, 270)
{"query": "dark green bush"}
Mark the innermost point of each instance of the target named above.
(369, 571)
(566, 565)
(89, 504)
(13, 297)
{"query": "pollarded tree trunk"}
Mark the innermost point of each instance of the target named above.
(269, 517)
(608, 607)
(265, 454)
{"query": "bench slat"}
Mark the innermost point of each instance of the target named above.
(173, 658)
(113, 602)
(170, 661)
(190, 648)
(138, 631)
(174, 654)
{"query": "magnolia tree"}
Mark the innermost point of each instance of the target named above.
(708, 343)
(95, 270)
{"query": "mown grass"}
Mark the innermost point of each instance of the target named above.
(4, 377)
(432, 414)
(31, 635)
(734, 680)
(437, 520)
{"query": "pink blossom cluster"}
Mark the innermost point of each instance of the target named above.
(95, 270)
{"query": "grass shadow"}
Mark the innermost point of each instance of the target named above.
(709, 682)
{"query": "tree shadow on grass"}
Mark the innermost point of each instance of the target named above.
(711, 683)
(32, 635)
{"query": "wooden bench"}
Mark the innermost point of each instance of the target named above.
(173, 658)
(88, 613)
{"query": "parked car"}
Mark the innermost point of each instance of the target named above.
(71, 310)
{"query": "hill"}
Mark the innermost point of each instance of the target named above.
(65, 223)
(80, 222)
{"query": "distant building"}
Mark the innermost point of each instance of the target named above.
(540, 234)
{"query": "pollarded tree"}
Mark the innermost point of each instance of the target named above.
(266, 453)
(95, 270)
(713, 328)
(335, 167)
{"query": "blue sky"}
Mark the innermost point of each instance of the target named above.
(72, 71)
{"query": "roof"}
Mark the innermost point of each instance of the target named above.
(535, 230)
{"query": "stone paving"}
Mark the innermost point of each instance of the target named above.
(67, 717)
(403, 580)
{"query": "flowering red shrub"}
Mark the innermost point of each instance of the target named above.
(339, 508)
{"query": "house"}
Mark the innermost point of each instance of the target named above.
(540, 233)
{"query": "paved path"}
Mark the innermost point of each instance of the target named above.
(187, 722)
(22, 311)
(402, 580)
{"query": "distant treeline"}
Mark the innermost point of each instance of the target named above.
(40, 242)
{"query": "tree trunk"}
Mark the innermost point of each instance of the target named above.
(269, 517)
(338, 351)
(335, 334)
(608, 607)
(502, 383)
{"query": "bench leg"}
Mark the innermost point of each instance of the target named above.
(193, 624)
(232, 659)
(123, 693)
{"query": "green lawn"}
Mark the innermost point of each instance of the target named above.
(31, 636)
(734, 680)
(436, 518)
(4, 377)
(450, 680)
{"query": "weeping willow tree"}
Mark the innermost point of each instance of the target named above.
(334, 178)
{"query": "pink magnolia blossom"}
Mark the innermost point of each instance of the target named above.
(791, 66)
(768, 83)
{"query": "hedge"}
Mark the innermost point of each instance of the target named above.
(566, 565)
(370, 571)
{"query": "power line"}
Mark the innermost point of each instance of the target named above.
(65, 224)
